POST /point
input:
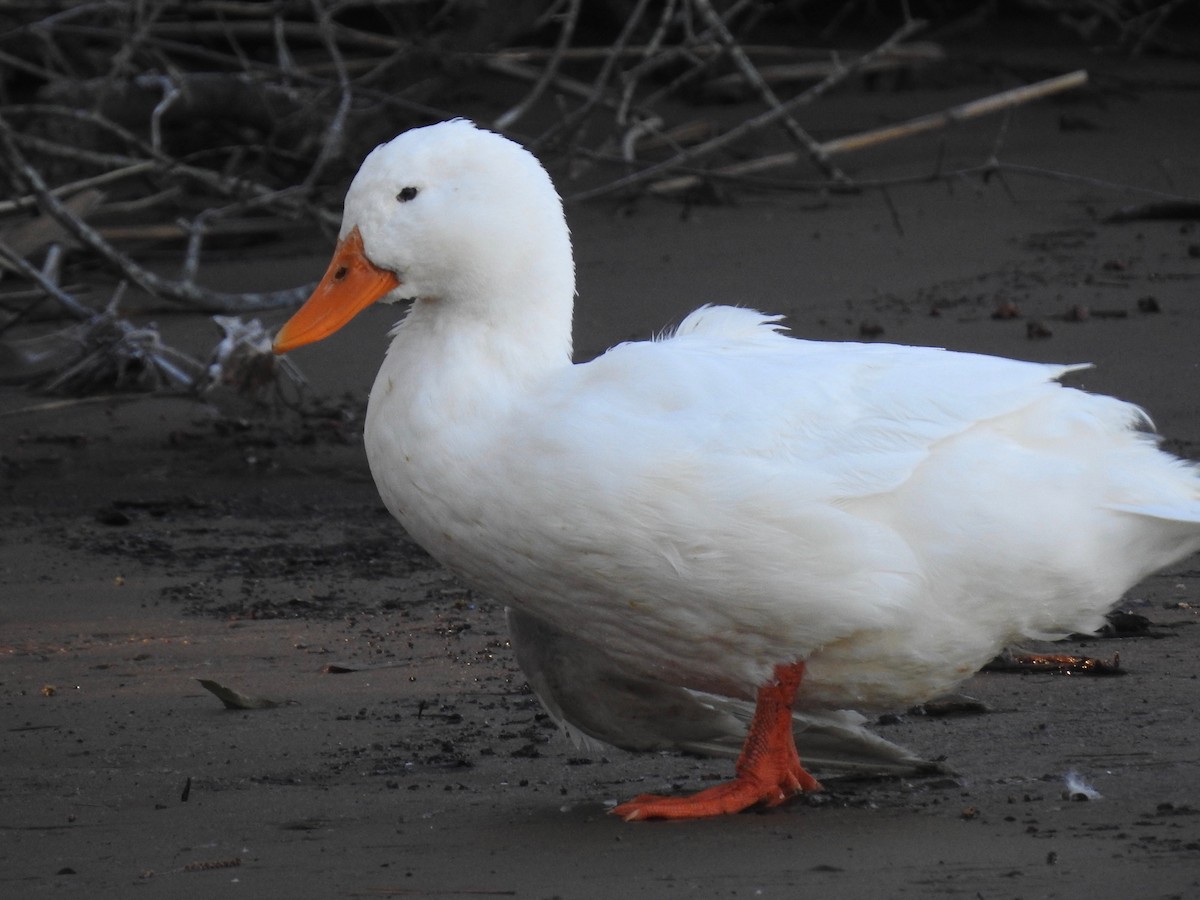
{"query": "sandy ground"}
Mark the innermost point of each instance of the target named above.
(146, 543)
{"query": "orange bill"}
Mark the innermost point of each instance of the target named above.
(351, 284)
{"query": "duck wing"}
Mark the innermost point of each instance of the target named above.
(599, 703)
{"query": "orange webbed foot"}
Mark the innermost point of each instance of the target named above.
(768, 771)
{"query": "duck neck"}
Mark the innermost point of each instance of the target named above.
(506, 312)
(485, 347)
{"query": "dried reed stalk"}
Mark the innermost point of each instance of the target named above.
(216, 117)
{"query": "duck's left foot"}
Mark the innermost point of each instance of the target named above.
(768, 771)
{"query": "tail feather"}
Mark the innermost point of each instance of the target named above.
(1167, 512)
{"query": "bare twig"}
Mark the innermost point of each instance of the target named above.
(649, 51)
(562, 83)
(231, 117)
(701, 51)
(567, 124)
(754, 124)
(187, 293)
(1149, 34)
(49, 286)
(702, 46)
(750, 73)
(171, 93)
(996, 102)
(915, 53)
(549, 70)
(29, 201)
(334, 140)
(226, 185)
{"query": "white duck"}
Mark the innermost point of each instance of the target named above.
(726, 511)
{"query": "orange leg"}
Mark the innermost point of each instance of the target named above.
(768, 771)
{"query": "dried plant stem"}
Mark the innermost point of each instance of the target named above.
(549, 71)
(570, 122)
(272, 100)
(915, 53)
(754, 124)
(29, 201)
(700, 47)
(334, 140)
(49, 286)
(752, 76)
(164, 165)
(571, 87)
(185, 293)
(701, 51)
(994, 103)
(963, 112)
(649, 51)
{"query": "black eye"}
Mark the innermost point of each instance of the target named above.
(406, 194)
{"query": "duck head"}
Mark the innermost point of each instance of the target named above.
(448, 214)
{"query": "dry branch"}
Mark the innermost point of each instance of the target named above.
(982, 107)
(185, 292)
(205, 119)
(755, 123)
(549, 70)
(734, 85)
(747, 70)
(17, 262)
(994, 103)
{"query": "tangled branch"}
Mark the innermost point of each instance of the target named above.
(190, 126)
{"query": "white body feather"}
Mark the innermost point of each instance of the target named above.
(703, 507)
